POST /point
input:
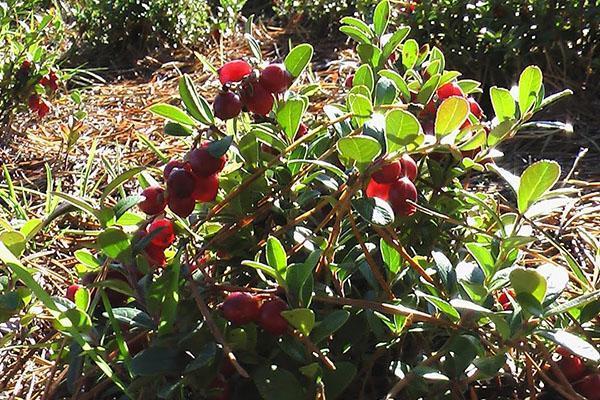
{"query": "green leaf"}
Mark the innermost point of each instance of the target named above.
(204, 358)
(361, 108)
(156, 360)
(82, 299)
(289, 116)
(118, 181)
(398, 81)
(483, 256)
(530, 84)
(392, 43)
(115, 244)
(14, 241)
(355, 33)
(402, 130)
(390, 256)
(469, 86)
(555, 97)
(374, 210)
(366, 29)
(337, 381)
(364, 76)
(428, 90)
(381, 17)
(573, 343)
(451, 114)
(369, 54)
(557, 279)
(218, 148)
(441, 305)
(177, 130)
(329, 325)
(79, 203)
(500, 132)
(195, 104)
(275, 383)
(299, 274)
(276, 256)
(302, 319)
(503, 103)
(536, 180)
(528, 281)
(410, 53)
(171, 297)
(172, 113)
(85, 257)
(261, 267)
(134, 317)
(385, 91)
(576, 302)
(359, 148)
(468, 306)
(298, 58)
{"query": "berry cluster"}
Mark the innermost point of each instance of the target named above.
(393, 182)
(255, 91)
(585, 383)
(242, 308)
(188, 182)
(27, 79)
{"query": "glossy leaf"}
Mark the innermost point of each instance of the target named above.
(536, 180)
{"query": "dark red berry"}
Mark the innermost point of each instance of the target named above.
(449, 89)
(401, 191)
(302, 130)
(349, 81)
(205, 164)
(378, 190)
(173, 164)
(257, 99)
(234, 71)
(504, 299)
(180, 183)
(275, 78)
(429, 109)
(50, 81)
(388, 173)
(182, 206)
(205, 188)
(270, 318)
(154, 201)
(241, 308)
(475, 108)
(43, 108)
(589, 387)
(34, 102)
(155, 255)
(166, 236)
(467, 124)
(26, 65)
(71, 290)
(572, 367)
(409, 167)
(227, 105)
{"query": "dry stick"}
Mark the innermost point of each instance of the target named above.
(528, 368)
(61, 376)
(53, 370)
(567, 395)
(370, 260)
(312, 348)
(555, 368)
(215, 330)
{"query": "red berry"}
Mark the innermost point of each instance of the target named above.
(429, 109)
(589, 387)
(504, 299)
(563, 352)
(378, 190)
(467, 124)
(227, 105)
(166, 236)
(155, 255)
(205, 188)
(180, 183)
(409, 167)
(234, 71)
(50, 81)
(182, 206)
(257, 99)
(34, 102)
(173, 164)
(475, 108)
(302, 130)
(270, 318)
(401, 191)
(349, 81)
(449, 89)
(154, 201)
(26, 65)
(241, 308)
(572, 367)
(275, 78)
(205, 164)
(388, 173)
(71, 290)
(43, 108)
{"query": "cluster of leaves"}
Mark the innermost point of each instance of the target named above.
(376, 300)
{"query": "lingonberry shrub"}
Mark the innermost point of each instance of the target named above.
(374, 266)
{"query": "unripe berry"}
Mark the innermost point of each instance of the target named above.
(409, 167)
(401, 191)
(166, 236)
(379, 190)
(205, 164)
(275, 78)
(173, 164)
(589, 387)
(475, 108)
(241, 308)
(180, 183)
(205, 188)
(154, 201)
(572, 367)
(388, 173)
(449, 89)
(234, 71)
(349, 81)
(71, 290)
(257, 99)
(227, 105)
(270, 318)
(182, 206)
